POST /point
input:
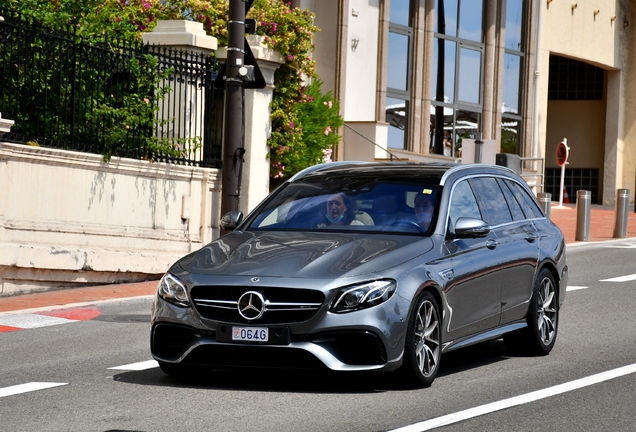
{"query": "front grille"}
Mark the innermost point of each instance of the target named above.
(284, 305)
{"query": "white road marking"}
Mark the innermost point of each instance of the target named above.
(574, 288)
(517, 400)
(28, 387)
(621, 278)
(29, 321)
(138, 366)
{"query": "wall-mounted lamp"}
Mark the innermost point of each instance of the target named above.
(574, 5)
(613, 18)
(625, 24)
(354, 44)
(549, 1)
(596, 11)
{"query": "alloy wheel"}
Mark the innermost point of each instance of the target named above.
(427, 339)
(547, 311)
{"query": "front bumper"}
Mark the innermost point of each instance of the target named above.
(365, 340)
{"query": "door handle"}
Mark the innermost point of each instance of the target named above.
(491, 244)
(530, 238)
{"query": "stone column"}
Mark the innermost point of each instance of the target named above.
(255, 177)
(187, 37)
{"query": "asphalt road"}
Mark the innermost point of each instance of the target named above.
(60, 377)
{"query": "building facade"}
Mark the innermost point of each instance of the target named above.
(415, 78)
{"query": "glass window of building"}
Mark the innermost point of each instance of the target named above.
(400, 48)
(514, 57)
(457, 74)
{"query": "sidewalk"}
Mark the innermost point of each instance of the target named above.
(601, 229)
(602, 220)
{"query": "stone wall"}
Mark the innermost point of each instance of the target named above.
(71, 219)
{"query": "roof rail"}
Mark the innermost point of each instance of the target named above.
(462, 167)
(322, 166)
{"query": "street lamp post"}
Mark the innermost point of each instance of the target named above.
(233, 149)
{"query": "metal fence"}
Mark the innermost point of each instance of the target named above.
(114, 98)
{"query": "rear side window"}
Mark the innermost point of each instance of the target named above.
(513, 205)
(493, 204)
(463, 203)
(527, 203)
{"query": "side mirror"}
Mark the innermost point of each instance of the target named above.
(466, 227)
(230, 220)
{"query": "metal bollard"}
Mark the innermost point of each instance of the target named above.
(545, 201)
(583, 199)
(620, 219)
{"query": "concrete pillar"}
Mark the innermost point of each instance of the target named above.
(490, 23)
(614, 143)
(189, 37)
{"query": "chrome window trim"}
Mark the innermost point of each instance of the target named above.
(500, 175)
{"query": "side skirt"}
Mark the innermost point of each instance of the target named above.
(495, 333)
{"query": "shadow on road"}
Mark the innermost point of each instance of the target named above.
(303, 381)
(475, 356)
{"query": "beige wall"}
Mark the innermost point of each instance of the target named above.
(600, 33)
(583, 124)
(69, 218)
(628, 179)
(361, 68)
(326, 40)
(581, 34)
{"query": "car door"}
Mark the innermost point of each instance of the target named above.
(474, 287)
(518, 284)
(518, 245)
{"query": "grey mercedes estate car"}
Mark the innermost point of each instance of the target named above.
(354, 266)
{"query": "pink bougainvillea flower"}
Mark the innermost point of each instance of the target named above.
(327, 155)
(327, 130)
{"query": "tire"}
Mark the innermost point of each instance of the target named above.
(543, 319)
(423, 345)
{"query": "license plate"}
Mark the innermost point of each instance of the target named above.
(252, 334)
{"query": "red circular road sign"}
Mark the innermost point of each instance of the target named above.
(562, 153)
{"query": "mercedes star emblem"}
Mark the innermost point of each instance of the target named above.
(251, 305)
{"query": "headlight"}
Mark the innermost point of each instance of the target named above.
(363, 296)
(173, 290)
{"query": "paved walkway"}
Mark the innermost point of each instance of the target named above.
(602, 220)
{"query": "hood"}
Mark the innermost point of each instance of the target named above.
(317, 255)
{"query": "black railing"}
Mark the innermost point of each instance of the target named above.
(114, 98)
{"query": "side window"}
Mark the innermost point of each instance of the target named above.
(463, 203)
(527, 203)
(493, 203)
(513, 205)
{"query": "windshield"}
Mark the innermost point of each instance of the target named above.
(374, 205)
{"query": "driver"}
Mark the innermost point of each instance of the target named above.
(424, 207)
(338, 211)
